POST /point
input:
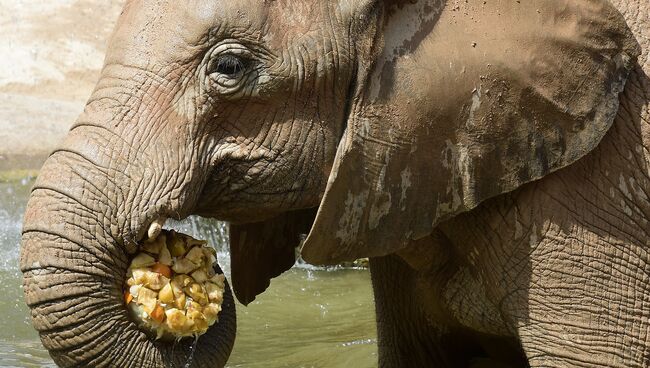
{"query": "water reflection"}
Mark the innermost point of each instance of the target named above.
(310, 317)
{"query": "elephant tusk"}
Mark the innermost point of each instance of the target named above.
(155, 228)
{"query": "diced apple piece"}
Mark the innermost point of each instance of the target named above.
(177, 246)
(176, 320)
(182, 280)
(147, 299)
(181, 300)
(142, 260)
(165, 257)
(200, 276)
(155, 281)
(166, 294)
(179, 294)
(219, 280)
(195, 255)
(194, 306)
(215, 293)
(210, 254)
(139, 276)
(135, 290)
(211, 312)
(184, 265)
(200, 322)
(197, 293)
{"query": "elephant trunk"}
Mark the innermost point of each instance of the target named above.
(74, 259)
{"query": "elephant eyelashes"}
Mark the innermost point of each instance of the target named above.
(228, 65)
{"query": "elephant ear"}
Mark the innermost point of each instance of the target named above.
(263, 250)
(463, 101)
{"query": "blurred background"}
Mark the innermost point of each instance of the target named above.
(50, 56)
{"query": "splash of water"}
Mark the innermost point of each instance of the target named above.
(192, 351)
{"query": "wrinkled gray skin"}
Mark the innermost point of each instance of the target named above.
(252, 112)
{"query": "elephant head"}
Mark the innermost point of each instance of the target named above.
(384, 117)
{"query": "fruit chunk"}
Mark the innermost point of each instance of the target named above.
(147, 298)
(211, 312)
(195, 255)
(196, 292)
(219, 280)
(162, 269)
(142, 260)
(177, 246)
(165, 257)
(184, 265)
(158, 313)
(166, 294)
(200, 275)
(215, 293)
(176, 319)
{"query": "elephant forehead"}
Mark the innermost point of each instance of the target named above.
(169, 30)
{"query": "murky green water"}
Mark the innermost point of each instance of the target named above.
(310, 317)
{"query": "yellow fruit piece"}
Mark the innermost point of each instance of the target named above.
(184, 265)
(200, 276)
(165, 257)
(197, 293)
(166, 294)
(215, 293)
(182, 280)
(155, 281)
(211, 255)
(195, 255)
(147, 299)
(211, 312)
(135, 290)
(138, 276)
(177, 246)
(176, 320)
(200, 323)
(142, 260)
(219, 280)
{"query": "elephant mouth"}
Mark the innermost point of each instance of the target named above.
(174, 287)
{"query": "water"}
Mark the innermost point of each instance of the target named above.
(309, 318)
(188, 364)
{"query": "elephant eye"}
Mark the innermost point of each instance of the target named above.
(231, 69)
(228, 65)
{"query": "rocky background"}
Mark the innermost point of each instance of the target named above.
(51, 54)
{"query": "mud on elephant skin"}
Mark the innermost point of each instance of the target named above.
(380, 128)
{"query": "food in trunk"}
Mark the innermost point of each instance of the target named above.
(172, 289)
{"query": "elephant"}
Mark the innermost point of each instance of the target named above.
(490, 157)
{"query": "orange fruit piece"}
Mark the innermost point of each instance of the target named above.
(128, 297)
(162, 269)
(158, 313)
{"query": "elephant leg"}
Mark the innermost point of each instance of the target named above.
(406, 338)
(414, 327)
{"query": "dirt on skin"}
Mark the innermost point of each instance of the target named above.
(52, 52)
